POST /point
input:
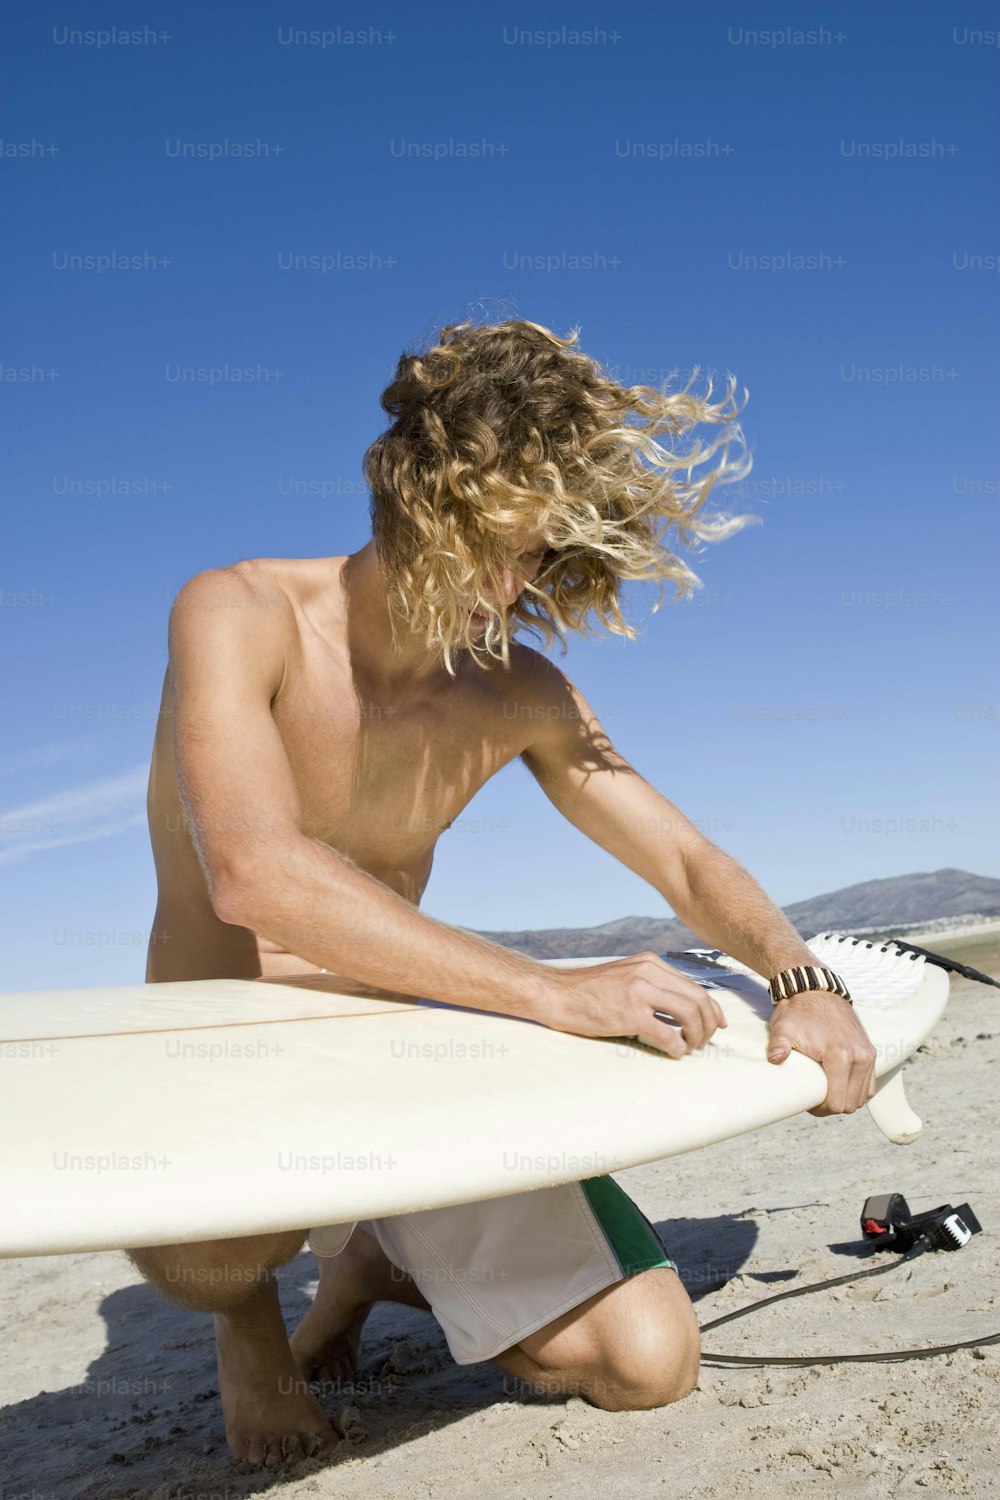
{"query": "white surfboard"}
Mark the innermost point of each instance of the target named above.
(161, 1114)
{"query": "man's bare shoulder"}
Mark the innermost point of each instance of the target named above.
(533, 674)
(540, 694)
(242, 608)
(250, 586)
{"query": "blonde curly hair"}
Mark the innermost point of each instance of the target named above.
(506, 428)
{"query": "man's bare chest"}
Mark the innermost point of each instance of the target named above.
(381, 778)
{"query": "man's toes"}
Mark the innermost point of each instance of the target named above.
(275, 1451)
(292, 1451)
(270, 1452)
(256, 1451)
(321, 1444)
(335, 1370)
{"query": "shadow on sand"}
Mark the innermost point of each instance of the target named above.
(146, 1420)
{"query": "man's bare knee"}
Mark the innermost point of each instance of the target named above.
(652, 1356)
(213, 1275)
(657, 1374)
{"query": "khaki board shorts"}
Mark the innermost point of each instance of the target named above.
(496, 1271)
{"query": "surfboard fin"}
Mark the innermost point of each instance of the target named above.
(891, 1111)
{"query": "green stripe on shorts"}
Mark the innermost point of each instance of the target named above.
(627, 1230)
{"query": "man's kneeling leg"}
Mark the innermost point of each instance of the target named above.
(634, 1345)
(214, 1275)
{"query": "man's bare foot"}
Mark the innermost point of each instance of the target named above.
(325, 1344)
(272, 1417)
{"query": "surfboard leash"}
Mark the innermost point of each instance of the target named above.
(951, 964)
(886, 1222)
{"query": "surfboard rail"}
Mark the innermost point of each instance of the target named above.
(144, 1115)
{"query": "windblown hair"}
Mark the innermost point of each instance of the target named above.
(506, 428)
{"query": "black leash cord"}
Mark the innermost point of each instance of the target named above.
(942, 962)
(918, 1247)
(834, 1359)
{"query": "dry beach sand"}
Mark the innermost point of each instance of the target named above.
(108, 1390)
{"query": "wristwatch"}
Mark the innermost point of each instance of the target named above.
(803, 977)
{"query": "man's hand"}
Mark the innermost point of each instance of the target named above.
(824, 1027)
(619, 998)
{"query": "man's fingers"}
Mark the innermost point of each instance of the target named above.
(699, 1013)
(689, 1003)
(662, 1035)
(667, 1014)
(861, 1080)
(837, 1071)
(698, 1025)
(847, 1088)
(851, 1083)
(846, 1092)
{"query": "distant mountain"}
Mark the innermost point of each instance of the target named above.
(881, 907)
(900, 901)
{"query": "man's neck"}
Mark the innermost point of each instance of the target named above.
(373, 654)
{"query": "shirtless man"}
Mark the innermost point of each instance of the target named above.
(314, 803)
(305, 763)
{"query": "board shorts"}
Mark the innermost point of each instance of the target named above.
(496, 1271)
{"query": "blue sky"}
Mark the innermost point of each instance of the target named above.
(826, 708)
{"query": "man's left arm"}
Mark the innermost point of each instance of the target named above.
(592, 784)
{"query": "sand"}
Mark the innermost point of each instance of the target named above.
(109, 1390)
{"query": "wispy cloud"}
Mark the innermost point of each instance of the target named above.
(95, 810)
(54, 752)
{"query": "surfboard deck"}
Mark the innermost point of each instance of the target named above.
(142, 1115)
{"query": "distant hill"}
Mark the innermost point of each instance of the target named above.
(881, 907)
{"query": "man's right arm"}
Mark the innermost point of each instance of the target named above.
(238, 790)
(243, 811)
